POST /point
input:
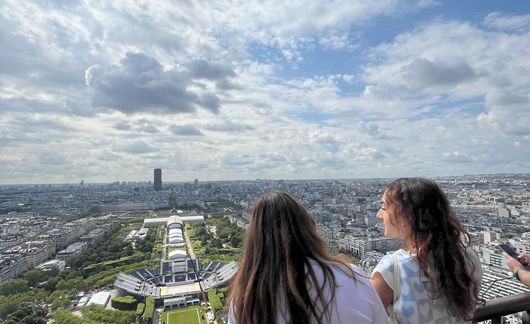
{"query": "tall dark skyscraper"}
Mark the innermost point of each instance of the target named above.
(158, 179)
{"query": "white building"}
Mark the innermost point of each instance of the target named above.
(38, 251)
(492, 257)
(72, 250)
(164, 220)
(175, 222)
(486, 237)
(178, 302)
(100, 298)
(135, 235)
(503, 212)
(49, 265)
(82, 301)
(11, 266)
(130, 237)
(177, 254)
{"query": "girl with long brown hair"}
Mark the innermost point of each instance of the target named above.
(435, 278)
(287, 275)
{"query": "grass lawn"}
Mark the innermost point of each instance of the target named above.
(192, 315)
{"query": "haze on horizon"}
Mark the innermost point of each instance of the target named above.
(108, 91)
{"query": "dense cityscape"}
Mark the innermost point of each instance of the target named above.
(50, 227)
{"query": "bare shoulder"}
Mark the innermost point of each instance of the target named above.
(386, 294)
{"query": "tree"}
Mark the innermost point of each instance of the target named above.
(114, 247)
(217, 243)
(34, 276)
(140, 309)
(100, 315)
(72, 274)
(75, 262)
(66, 317)
(53, 272)
(13, 286)
(51, 284)
(28, 313)
(7, 307)
(60, 303)
(224, 232)
(75, 283)
(214, 300)
(235, 240)
(129, 249)
(149, 308)
(124, 303)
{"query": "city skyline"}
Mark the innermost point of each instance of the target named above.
(149, 181)
(273, 90)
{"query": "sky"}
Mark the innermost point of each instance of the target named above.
(286, 89)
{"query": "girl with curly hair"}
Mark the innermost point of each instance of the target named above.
(436, 277)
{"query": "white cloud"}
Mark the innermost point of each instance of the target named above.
(229, 126)
(52, 158)
(237, 160)
(140, 83)
(185, 130)
(453, 58)
(509, 113)
(447, 63)
(501, 21)
(136, 147)
(294, 25)
(457, 157)
(108, 90)
(423, 74)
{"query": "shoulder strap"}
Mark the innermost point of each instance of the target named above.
(397, 278)
(397, 286)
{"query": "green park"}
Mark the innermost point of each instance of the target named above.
(32, 295)
(191, 315)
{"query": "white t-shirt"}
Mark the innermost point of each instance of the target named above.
(415, 304)
(355, 301)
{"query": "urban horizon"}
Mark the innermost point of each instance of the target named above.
(164, 181)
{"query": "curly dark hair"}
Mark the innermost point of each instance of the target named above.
(441, 243)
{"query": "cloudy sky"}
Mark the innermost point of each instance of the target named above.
(244, 89)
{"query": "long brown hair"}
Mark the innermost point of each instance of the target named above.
(281, 239)
(440, 241)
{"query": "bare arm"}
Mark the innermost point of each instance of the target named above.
(524, 276)
(522, 272)
(386, 294)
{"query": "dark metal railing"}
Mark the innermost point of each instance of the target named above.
(496, 308)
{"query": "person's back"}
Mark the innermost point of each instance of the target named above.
(355, 301)
(286, 275)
